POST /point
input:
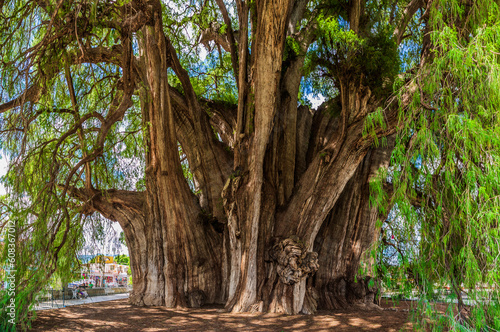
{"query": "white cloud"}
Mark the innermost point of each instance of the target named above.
(316, 101)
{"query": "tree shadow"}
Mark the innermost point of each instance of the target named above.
(118, 315)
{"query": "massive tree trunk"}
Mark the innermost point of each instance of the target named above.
(296, 173)
(175, 252)
(346, 237)
(281, 218)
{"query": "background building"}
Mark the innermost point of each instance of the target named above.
(103, 271)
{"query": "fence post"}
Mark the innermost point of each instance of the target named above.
(63, 296)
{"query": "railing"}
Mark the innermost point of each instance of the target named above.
(59, 298)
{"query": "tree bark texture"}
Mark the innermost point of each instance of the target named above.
(178, 261)
(347, 233)
(281, 217)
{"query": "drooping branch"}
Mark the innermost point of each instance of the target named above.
(116, 113)
(76, 114)
(90, 55)
(67, 30)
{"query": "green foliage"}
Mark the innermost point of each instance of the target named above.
(45, 146)
(212, 77)
(32, 253)
(447, 159)
(373, 121)
(379, 61)
(122, 259)
(341, 53)
(122, 239)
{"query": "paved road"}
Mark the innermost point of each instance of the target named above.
(59, 303)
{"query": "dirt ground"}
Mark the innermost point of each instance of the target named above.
(120, 316)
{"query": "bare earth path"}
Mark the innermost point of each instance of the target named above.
(120, 316)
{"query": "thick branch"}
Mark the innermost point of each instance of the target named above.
(296, 15)
(110, 202)
(230, 36)
(408, 14)
(331, 169)
(89, 55)
(355, 13)
(242, 80)
(222, 114)
(30, 95)
(212, 160)
(76, 114)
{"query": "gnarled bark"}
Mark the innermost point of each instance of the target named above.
(286, 187)
(345, 236)
(252, 209)
(177, 260)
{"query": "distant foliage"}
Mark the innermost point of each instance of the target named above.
(122, 259)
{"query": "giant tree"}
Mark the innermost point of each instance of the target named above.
(190, 125)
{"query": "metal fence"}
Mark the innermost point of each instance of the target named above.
(60, 298)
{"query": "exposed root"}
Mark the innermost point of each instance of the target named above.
(293, 261)
(257, 307)
(196, 299)
(310, 301)
(342, 293)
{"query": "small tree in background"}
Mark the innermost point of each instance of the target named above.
(122, 259)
